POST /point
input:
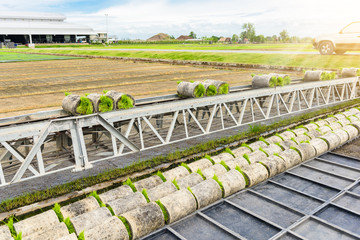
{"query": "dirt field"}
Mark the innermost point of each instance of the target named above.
(37, 86)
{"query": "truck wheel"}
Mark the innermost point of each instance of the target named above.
(326, 48)
(340, 52)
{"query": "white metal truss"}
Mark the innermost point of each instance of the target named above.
(153, 126)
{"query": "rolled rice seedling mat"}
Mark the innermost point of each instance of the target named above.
(307, 151)
(354, 111)
(221, 86)
(222, 157)
(240, 151)
(90, 220)
(324, 129)
(352, 118)
(77, 105)
(121, 100)
(352, 131)
(79, 207)
(356, 125)
(302, 138)
(145, 219)
(321, 123)
(210, 89)
(148, 183)
(274, 165)
(232, 182)
(176, 173)
(206, 192)
(320, 146)
(311, 134)
(312, 75)
(273, 139)
(331, 119)
(311, 126)
(256, 145)
(216, 169)
(299, 131)
(344, 121)
(255, 173)
(101, 103)
(335, 125)
(57, 231)
(161, 190)
(343, 135)
(116, 193)
(288, 144)
(286, 135)
(349, 72)
(38, 223)
(69, 237)
(189, 89)
(316, 133)
(263, 81)
(332, 139)
(241, 162)
(291, 158)
(272, 148)
(111, 229)
(190, 180)
(200, 164)
(5, 233)
(179, 204)
(339, 116)
(347, 113)
(256, 156)
(127, 203)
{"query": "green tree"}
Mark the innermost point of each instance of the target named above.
(249, 32)
(260, 39)
(235, 38)
(192, 34)
(284, 35)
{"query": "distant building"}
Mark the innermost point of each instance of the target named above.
(159, 37)
(225, 40)
(184, 38)
(41, 28)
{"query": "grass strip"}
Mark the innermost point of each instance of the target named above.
(106, 104)
(220, 184)
(165, 213)
(144, 192)
(85, 107)
(200, 173)
(127, 226)
(209, 158)
(244, 175)
(225, 166)
(130, 184)
(176, 184)
(186, 166)
(161, 175)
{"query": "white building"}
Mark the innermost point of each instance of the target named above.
(41, 28)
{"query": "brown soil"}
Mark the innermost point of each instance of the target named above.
(352, 149)
(27, 87)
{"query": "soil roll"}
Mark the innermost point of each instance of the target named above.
(356, 125)
(222, 157)
(111, 229)
(335, 125)
(344, 121)
(347, 113)
(176, 173)
(354, 111)
(321, 123)
(332, 140)
(206, 192)
(232, 164)
(256, 145)
(291, 157)
(210, 89)
(179, 205)
(320, 146)
(5, 233)
(239, 152)
(272, 148)
(307, 151)
(274, 165)
(217, 169)
(192, 90)
(311, 126)
(315, 133)
(343, 135)
(256, 156)
(116, 193)
(262, 81)
(349, 72)
(299, 131)
(79, 207)
(161, 190)
(255, 173)
(145, 219)
(200, 164)
(331, 119)
(148, 183)
(312, 76)
(311, 135)
(57, 231)
(89, 220)
(352, 131)
(273, 139)
(101, 103)
(190, 180)
(38, 223)
(121, 100)
(352, 118)
(69, 237)
(286, 135)
(324, 129)
(241, 162)
(288, 144)
(221, 86)
(339, 116)
(77, 105)
(302, 138)
(127, 203)
(232, 181)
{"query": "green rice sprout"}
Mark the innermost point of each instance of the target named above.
(273, 81)
(253, 75)
(209, 158)
(278, 135)
(130, 184)
(220, 184)
(247, 158)
(85, 107)
(263, 140)
(186, 166)
(211, 90)
(127, 226)
(306, 134)
(106, 104)
(262, 150)
(105, 91)
(18, 237)
(197, 203)
(265, 166)
(199, 90)
(10, 224)
(297, 150)
(176, 184)
(224, 88)
(228, 150)
(225, 166)
(69, 225)
(280, 81)
(247, 146)
(200, 173)
(98, 199)
(145, 194)
(277, 155)
(192, 81)
(178, 82)
(287, 80)
(293, 139)
(67, 94)
(161, 176)
(81, 236)
(244, 175)
(278, 144)
(58, 213)
(125, 102)
(165, 213)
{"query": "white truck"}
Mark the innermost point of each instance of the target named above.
(348, 39)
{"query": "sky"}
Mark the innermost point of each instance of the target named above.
(141, 19)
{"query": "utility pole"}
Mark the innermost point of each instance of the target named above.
(107, 29)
